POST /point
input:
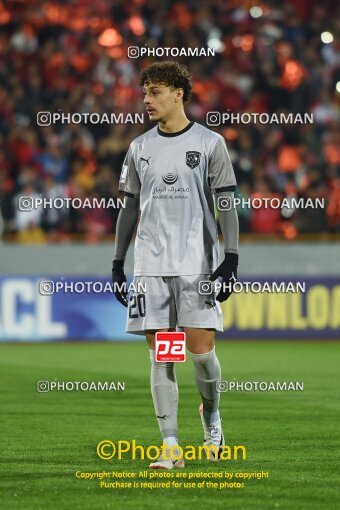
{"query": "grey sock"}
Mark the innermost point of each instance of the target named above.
(207, 373)
(164, 392)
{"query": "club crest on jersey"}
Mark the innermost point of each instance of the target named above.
(192, 158)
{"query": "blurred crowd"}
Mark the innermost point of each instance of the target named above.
(72, 56)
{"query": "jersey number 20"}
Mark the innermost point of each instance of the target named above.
(137, 306)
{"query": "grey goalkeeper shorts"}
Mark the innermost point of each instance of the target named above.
(170, 302)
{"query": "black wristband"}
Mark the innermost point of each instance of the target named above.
(118, 265)
(232, 259)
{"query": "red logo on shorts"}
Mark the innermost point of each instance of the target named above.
(170, 346)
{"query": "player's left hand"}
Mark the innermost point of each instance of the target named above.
(228, 272)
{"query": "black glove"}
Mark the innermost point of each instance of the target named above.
(228, 271)
(118, 279)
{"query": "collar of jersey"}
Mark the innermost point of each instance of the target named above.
(177, 133)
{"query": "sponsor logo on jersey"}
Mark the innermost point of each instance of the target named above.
(123, 175)
(170, 178)
(146, 159)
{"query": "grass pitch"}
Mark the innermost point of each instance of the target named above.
(47, 437)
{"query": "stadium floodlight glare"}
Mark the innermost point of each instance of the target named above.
(216, 44)
(255, 12)
(214, 40)
(327, 37)
(337, 87)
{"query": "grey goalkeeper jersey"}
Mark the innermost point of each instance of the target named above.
(175, 176)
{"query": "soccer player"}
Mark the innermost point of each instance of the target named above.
(170, 175)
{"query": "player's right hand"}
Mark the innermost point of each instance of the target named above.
(119, 281)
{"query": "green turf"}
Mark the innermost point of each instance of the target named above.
(47, 437)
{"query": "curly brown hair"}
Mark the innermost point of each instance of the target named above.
(171, 74)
